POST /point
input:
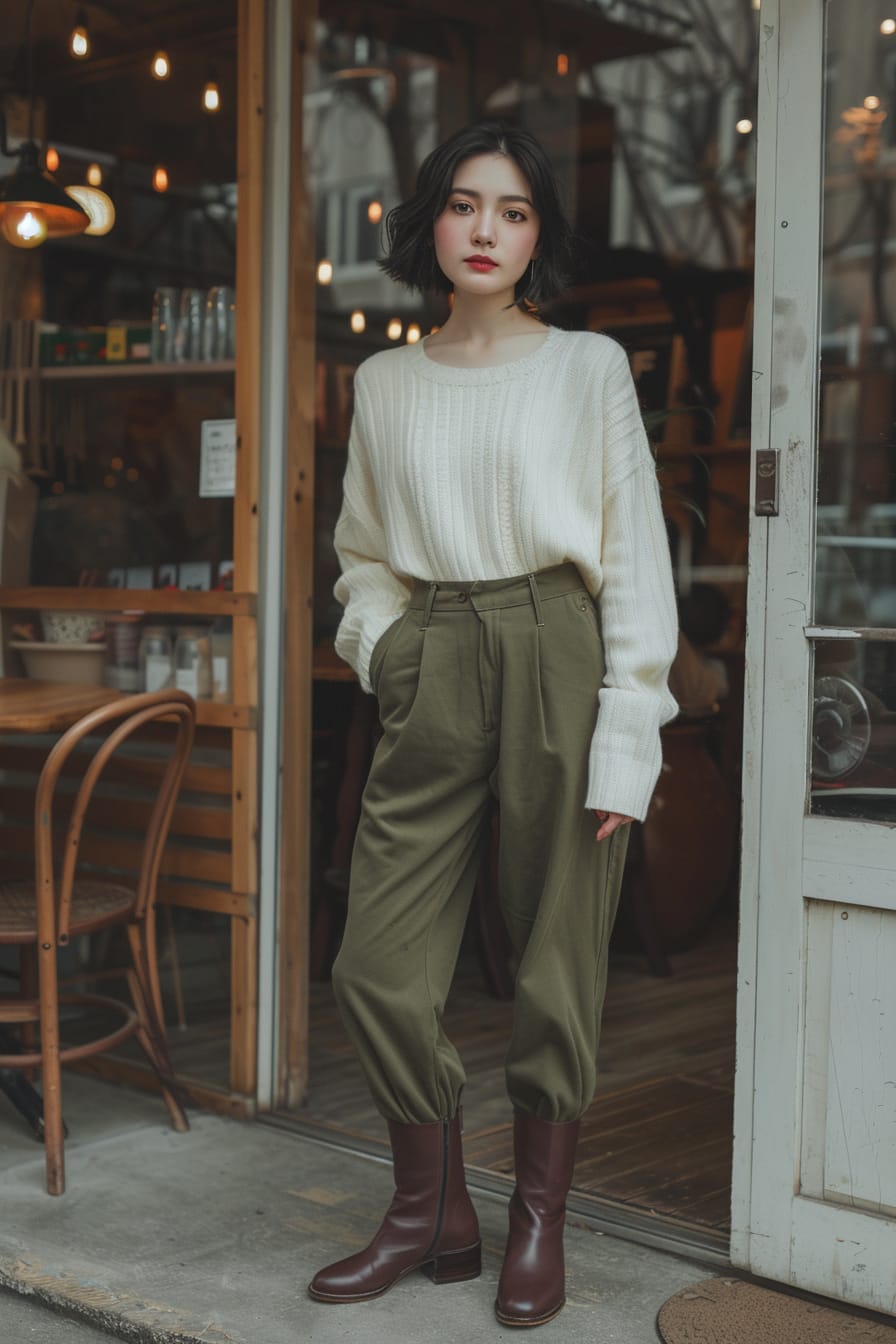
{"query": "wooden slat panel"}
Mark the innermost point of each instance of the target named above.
(244, 806)
(134, 770)
(216, 900)
(243, 1005)
(111, 852)
(133, 814)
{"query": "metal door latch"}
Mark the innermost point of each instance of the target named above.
(766, 505)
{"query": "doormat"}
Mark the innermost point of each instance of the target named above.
(729, 1311)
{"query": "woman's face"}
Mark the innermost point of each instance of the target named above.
(489, 213)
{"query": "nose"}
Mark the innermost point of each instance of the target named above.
(484, 231)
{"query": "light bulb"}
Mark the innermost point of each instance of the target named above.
(413, 334)
(375, 211)
(161, 66)
(872, 102)
(160, 179)
(744, 126)
(211, 98)
(51, 161)
(324, 272)
(358, 320)
(562, 63)
(888, 27)
(394, 329)
(79, 42)
(94, 175)
(24, 226)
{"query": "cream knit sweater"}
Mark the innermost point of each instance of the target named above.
(488, 473)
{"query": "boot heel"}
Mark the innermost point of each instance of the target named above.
(455, 1266)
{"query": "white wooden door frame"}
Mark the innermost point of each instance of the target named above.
(778, 1230)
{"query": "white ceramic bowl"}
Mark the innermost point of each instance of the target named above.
(72, 627)
(80, 663)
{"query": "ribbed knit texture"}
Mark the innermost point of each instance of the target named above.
(488, 473)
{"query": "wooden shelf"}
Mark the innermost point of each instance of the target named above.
(212, 714)
(167, 601)
(199, 368)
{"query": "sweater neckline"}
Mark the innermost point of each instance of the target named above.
(491, 373)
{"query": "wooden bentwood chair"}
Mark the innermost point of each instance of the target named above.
(43, 915)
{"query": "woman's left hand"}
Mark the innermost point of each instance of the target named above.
(611, 821)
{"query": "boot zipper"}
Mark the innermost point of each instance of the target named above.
(443, 1192)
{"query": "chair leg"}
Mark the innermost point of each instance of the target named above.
(51, 1072)
(171, 942)
(28, 985)
(151, 1032)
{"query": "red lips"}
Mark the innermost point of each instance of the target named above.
(483, 261)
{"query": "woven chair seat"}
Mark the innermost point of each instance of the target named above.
(94, 904)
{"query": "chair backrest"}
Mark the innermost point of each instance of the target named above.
(122, 719)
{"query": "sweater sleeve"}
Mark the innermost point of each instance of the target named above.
(639, 619)
(371, 593)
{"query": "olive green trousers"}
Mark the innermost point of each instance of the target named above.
(485, 688)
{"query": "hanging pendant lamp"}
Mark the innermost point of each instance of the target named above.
(32, 204)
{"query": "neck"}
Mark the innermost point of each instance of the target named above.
(481, 321)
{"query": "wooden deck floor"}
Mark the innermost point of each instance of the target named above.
(658, 1135)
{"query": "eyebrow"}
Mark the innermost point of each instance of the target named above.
(467, 191)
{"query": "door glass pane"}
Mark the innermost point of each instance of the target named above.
(854, 729)
(855, 569)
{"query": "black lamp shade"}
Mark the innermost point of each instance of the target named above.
(28, 186)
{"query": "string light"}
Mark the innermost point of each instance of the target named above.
(888, 27)
(51, 161)
(211, 97)
(872, 102)
(79, 42)
(413, 334)
(94, 175)
(161, 66)
(562, 63)
(358, 320)
(324, 272)
(375, 211)
(160, 179)
(394, 329)
(744, 126)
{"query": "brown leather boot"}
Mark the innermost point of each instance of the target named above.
(532, 1287)
(430, 1225)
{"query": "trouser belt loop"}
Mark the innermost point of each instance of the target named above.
(430, 599)
(536, 601)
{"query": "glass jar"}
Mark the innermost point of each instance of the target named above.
(193, 662)
(123, 652)
(156, 659)
(222, 659)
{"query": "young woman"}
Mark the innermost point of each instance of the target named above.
(508, 599)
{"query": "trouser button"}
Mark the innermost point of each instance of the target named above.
(461, 597)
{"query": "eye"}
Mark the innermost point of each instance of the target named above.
(518, 213)
(461, 203)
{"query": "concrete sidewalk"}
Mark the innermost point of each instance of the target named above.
(211, 1237)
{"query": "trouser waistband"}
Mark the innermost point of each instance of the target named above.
(457, 595)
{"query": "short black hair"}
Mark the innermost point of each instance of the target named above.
(411, 255)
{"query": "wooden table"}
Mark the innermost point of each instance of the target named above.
(28, 706)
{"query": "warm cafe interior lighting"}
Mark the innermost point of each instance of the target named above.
(744, 126)
(562, 63)
(358, 320)
(33, 206)
(94, 175)
(872, 102)
(413, 334)
(324, 272)
(888, 27)
(98, 206)
(375, 211)
(394, 329)
(161, 66)
(51, 161)
(79, 42)
(160, 179)
(211, 97)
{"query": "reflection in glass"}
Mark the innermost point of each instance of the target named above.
(854, 729)
(856, 535)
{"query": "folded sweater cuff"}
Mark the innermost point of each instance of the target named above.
(625, 757)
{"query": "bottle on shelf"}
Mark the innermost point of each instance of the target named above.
(193, 662)
(156, 659)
